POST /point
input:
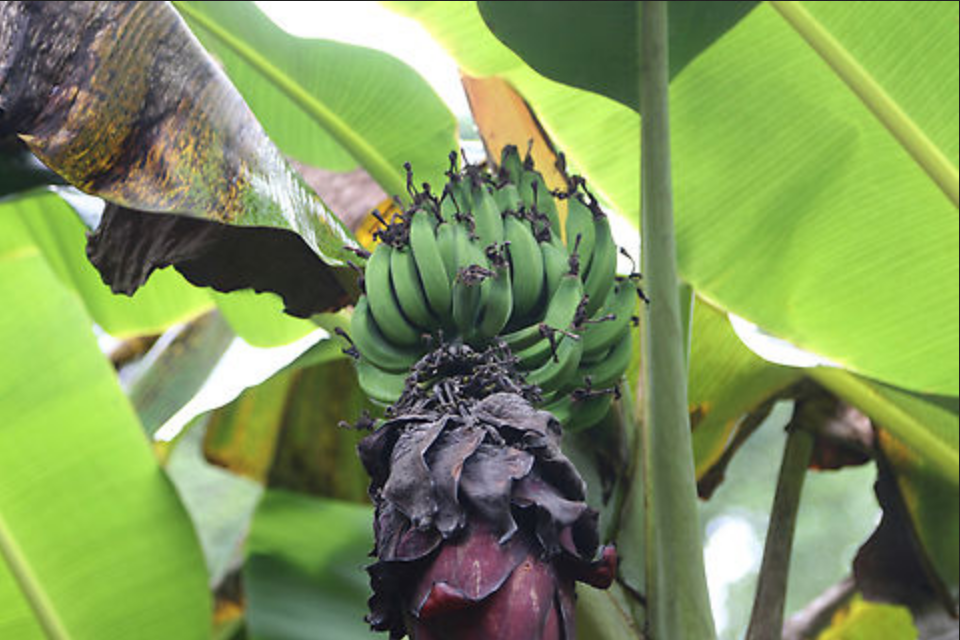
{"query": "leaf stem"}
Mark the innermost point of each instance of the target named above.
(33, 593)
(766, 619)
(887, 111)
(390, 178)
(679, 606)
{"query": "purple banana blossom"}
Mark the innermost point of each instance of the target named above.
(482, 529)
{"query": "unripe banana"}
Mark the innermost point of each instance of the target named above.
(372, 344)
(467, 286)
(606, 370)
(497, 304)
(480, 261)
(508, 198)
(486, 216)
(409, 289)
(537, 197)
(527, 266)
(575, 413)
(599, 336)
(560, 369)
(433, 273)
(511, 164)
(580, 225)
(382, 386)
(556, 262)
(447, 247)
(383, 303)
(559, 318)
(603, 266)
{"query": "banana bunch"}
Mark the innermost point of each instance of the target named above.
(486, 263)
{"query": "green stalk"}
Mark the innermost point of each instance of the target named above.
(12, 556)
(886, 110)
(679, 605)
(688, 300)
(766, 619)
(390, 178)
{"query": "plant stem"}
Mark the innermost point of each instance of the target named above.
(817, 615)
(13, 557)
(688, 300)
(766, 620)
(888, 112)
(679, 606)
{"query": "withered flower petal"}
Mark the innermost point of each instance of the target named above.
(482, 529)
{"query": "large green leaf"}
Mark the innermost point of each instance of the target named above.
(727, 382)
(304, 575)
(175, 369)
(93, 541)
(863, 620)
(595, 46)
(122, 101)
(220, 504)
(259, 319)
(791, 194)
(60, 237)
(329, 104)
(163, 301)
(920, 438)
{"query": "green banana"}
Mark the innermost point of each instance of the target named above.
(497, 305)
(459, 192)
(382, 386)
(556, 262)
(599, 277)
(466, 291)
(536, 196)
(452, 203)
(575, 413)
(598, 337)
(511, 164)
(383, 302)
(607, 370)
(373, 346)
(409, 290)
(561, 368)
(447, 247)
(430, 265)
(526, 264)
(580, 225)
(486, 216)
(508, 198)
(559, 316)
(481, 261)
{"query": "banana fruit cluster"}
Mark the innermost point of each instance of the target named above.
(485, 263)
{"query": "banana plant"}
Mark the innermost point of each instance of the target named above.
(535, 421)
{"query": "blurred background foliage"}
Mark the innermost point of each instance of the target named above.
(799, 209)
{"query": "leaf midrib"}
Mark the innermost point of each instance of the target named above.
(362, 151)
(898, 421)
(900, 125)
(30, 586)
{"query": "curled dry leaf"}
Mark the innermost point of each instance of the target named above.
(122, 101)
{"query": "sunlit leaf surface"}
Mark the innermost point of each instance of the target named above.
(600, 45)
(93, 540)
(60, 237)
(329, 104)
(790, 195)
